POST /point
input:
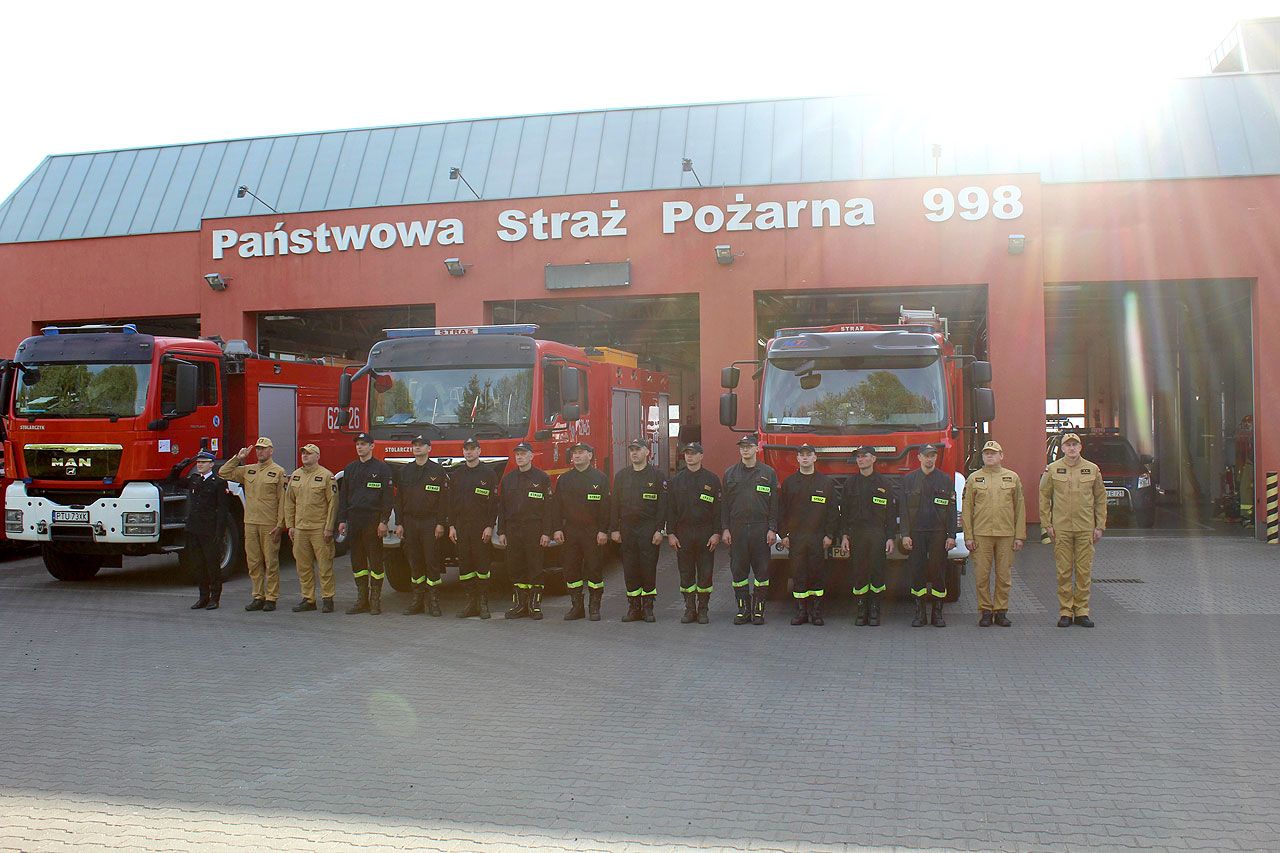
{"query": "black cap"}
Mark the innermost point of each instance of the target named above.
(471, 441)
(748, 439)
(866, 448)
(635, 442)
(205, 456)
(692, 447)
(364, 436)
(928, 449)
(806, 448)
(422, 439)
(524, 445)
(582, 445)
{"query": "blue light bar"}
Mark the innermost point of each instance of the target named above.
(452, 331)
(126, 329)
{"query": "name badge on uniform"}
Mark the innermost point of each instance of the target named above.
(271, 473)
(536, 495)
(942, 501)
(482, 492)
(595, 497)
(818, 499)
(372, 484)
(708, 498)
(319, 479)
(431, 487)
(880, 501)
(649, 496)
(765, 489)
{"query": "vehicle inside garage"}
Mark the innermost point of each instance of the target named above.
(342, 335)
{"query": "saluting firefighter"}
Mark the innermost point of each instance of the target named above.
(1073, 511)
(639, 516)
(364, 507)
(208, 512)
(810, 523)
(263, 484)
(749, 516)
(526, 516)
(310, 516)
(421, 503)
(582, 510)
(473, 490)
(995, 516)
(694, 531)
(927, 504)
(869, 515)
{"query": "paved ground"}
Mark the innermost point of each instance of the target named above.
(131, 722)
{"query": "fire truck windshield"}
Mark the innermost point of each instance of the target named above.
(853, 395)
(64, 390)
(456, 401)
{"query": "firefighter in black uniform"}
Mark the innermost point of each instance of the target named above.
(810, 523)
(927, 502)
(207, 516)
(869, 503)
(639, 516)
(582, 507)
(364, 507)
(473, 490)
(526, 516)
(422, 500)
(695, 531)
(749, 515)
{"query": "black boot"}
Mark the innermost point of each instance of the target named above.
(758, 597)
(1002, 619)
(815, 611)
(937, 620)
(472, 608)
(202, 602)
(873, 611)
(743, 615)
(484, 604)
(417, 605)
(690, 608)
(326, 606)
(535, 603)
(256, 604)
(802, 612)
(633, 613)
(646, 607)
(375, 596)
(304, 606)
(593, 604)
(362, 596)
(214, 600)
(575, 607)
(984, 621)
(519, 608)
(704, 608)
(861, 618)
(922, 616)
(433, 601)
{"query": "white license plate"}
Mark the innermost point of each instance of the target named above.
(1117, 493)
(73, 516)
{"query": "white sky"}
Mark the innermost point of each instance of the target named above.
(86, 76)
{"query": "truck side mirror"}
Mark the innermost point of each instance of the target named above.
(570, 390)
(188, 375)
(344, 418)
(729, 407)
(729, 378)
(980, 372)
(1147, 459)
(984, 405)
(344, 391)
(570, 412)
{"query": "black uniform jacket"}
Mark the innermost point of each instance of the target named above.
(639, 499)
(811, 505)
(750, 495)
(422, 492)
(582, 501)
(367, 492)
(869, 502)
(928, 503)
(473, 496)
(210, 505)
(525, 502)
(695, 500)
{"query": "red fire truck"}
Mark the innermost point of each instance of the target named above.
(895, 388)
(100, 422)
(503, 385)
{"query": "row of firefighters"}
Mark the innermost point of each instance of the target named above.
(747, 511)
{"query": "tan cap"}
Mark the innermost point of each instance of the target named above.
(310, 448)
(993, 445)
(263, 442)
(1071, 436)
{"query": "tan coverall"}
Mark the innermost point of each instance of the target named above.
(263, 512)
(310, 507)
(1073, 502)
(994, 514)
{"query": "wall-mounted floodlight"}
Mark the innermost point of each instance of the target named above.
(724, 254)
(455, 266)
(217, 281)
(1017, 243)
(242, 191)
(455, 174)
(686, 165)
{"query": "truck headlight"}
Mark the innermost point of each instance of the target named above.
(13, 521)
(1144, 481)
(139, 524)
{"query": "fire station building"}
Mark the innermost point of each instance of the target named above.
(1121, 272)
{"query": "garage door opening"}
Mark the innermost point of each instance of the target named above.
(173, 327)
(1161, 375)
(337, 334)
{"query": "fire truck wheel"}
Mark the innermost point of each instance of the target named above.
(397, 567)
(953, 580)
(71, 567)
(233, 559)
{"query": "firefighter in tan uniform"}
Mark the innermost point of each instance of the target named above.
(1073, 511)
(263, 484)
(310, 507)
(995, 516)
